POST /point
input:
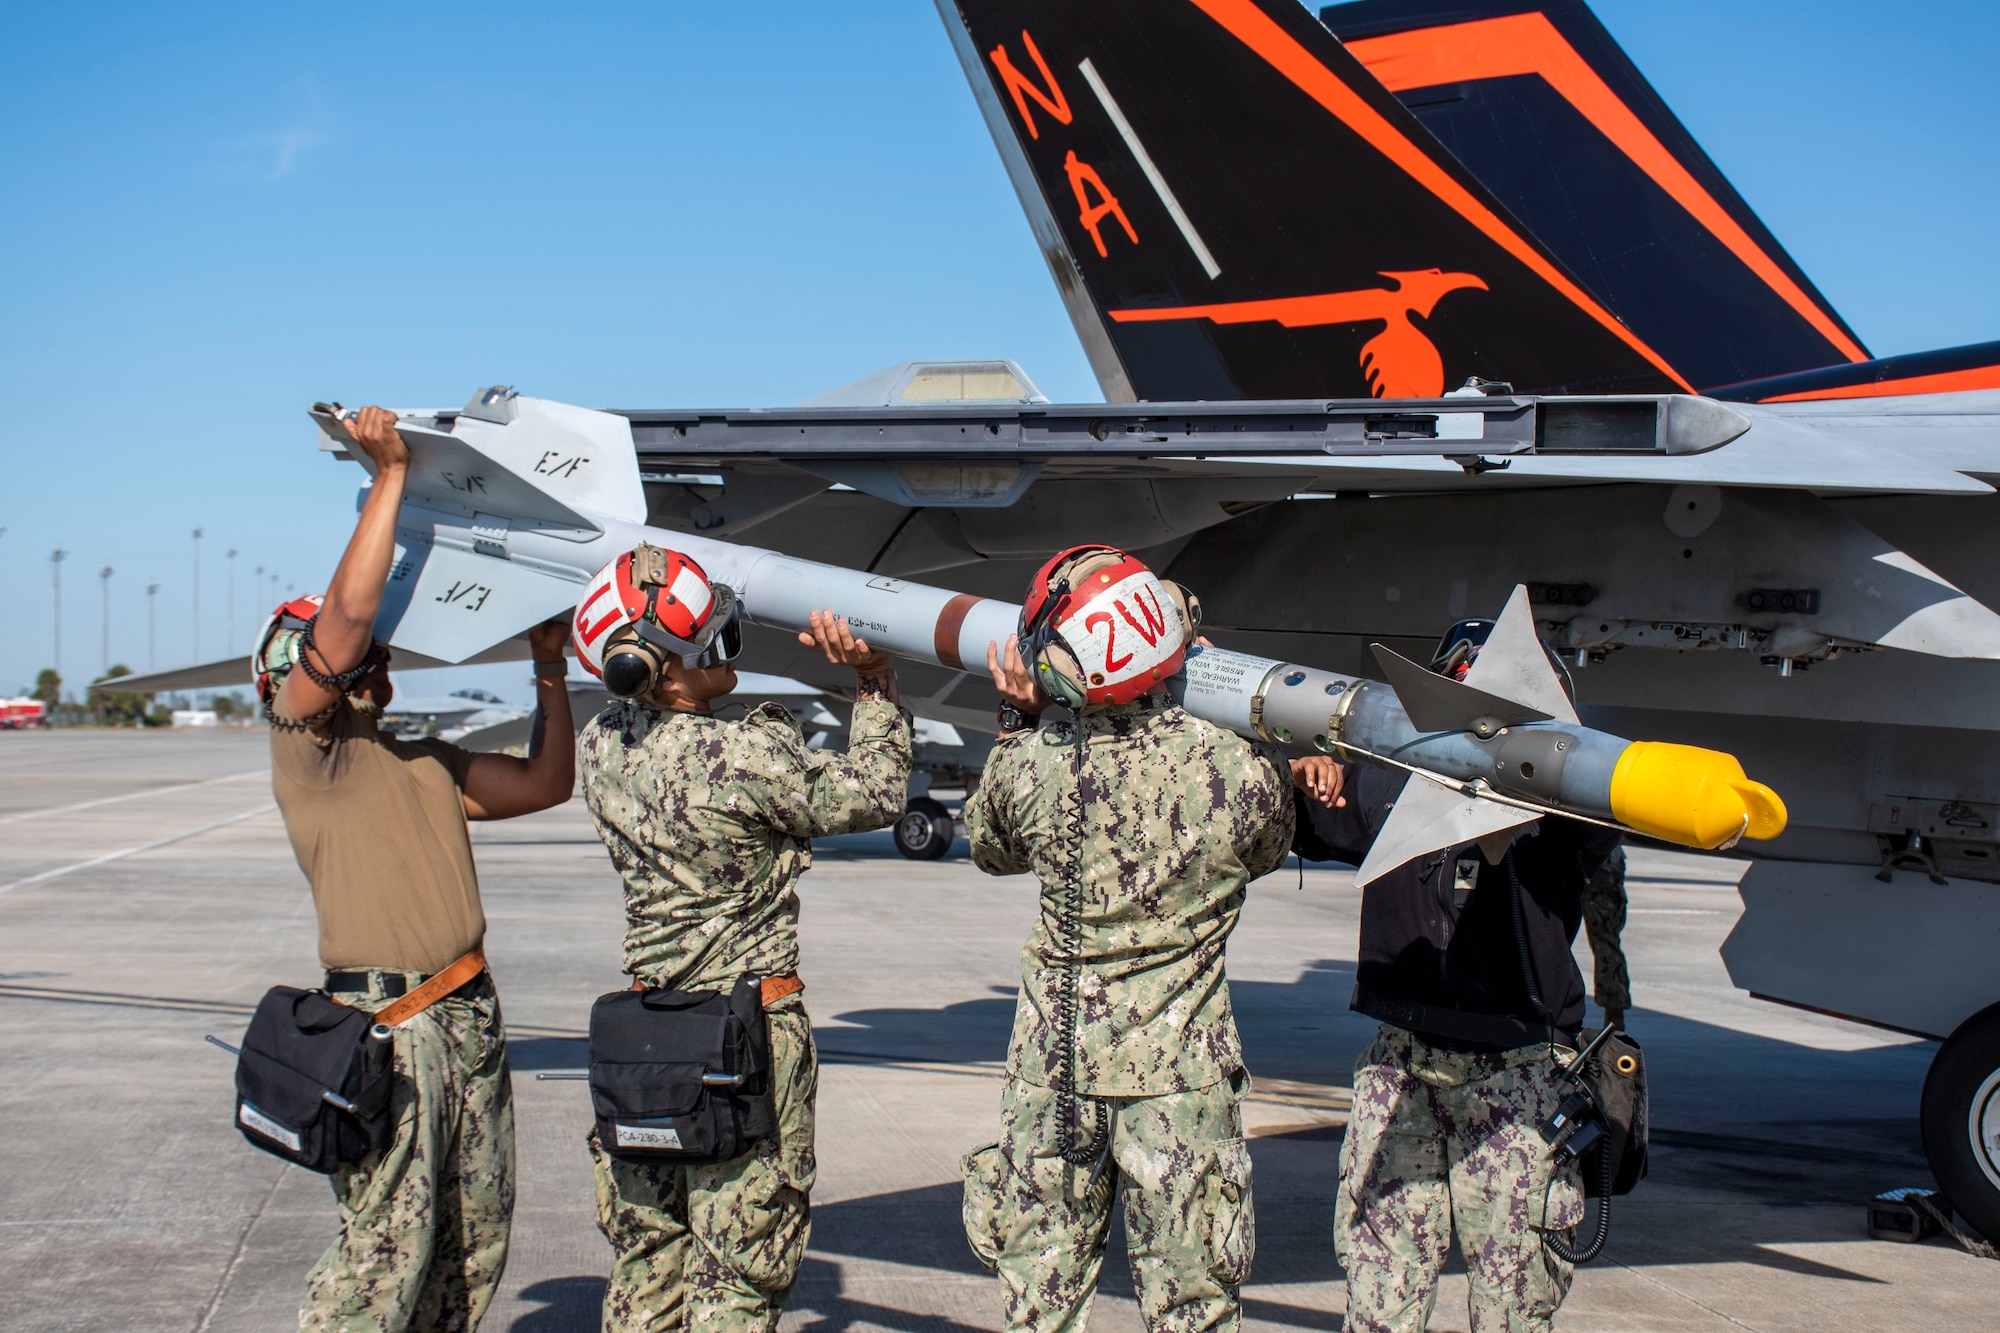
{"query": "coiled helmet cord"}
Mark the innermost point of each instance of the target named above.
(1067, 1015)
(1560, 1247)
(338, 680)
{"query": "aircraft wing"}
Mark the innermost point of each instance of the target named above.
(230, 672)
(1934, 444)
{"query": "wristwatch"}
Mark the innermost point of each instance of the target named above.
(1013, 719)
(556, 670)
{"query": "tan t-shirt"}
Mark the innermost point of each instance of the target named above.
(379, 830)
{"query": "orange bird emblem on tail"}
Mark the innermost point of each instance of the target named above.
(1400, 362)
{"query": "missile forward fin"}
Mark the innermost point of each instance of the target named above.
(1514, 665)
(579, 459)
(1439, 703)
(1429, 817)
(449, 604)
(565, 466)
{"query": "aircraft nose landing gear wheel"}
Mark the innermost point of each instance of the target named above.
(1961, 1120)
(925, 830)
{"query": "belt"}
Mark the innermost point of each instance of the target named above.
(1456, 1025)
(427, 993)
(771, 989)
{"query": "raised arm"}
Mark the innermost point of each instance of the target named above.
(345, 629)
(499, 786)
(867, 785)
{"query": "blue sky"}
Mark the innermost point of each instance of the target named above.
(218, 214)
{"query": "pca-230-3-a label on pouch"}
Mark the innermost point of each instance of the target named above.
(647, 1136)
(257, 1122)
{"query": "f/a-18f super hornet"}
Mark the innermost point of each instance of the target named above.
(1241, 201)
(1281, 255)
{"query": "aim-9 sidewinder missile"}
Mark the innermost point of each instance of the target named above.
(1486, 755)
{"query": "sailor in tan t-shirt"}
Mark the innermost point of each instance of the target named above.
(379, 827)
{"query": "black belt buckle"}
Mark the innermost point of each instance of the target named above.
(393, 983)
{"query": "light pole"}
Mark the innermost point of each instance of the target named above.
(197, 594)
(152, 595)
(56, 558)
(229, 622)
(104, 587)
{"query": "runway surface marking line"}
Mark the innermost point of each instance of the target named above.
(60, 871)
(131, 796)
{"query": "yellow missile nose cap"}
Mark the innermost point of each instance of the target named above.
(1692, 796)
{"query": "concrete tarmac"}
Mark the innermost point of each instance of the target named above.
(148, 896)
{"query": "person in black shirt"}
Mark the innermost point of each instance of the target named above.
(1465, 960)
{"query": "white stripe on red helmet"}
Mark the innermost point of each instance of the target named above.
(1123, 625)
(682, 607)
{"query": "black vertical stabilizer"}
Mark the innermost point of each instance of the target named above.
(1233, 207)
(1539, 102)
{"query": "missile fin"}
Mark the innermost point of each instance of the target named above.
(1439, 703)
(1428, 817)
(450, 604)
(580, 460)
(448, 470)
(1513, 664)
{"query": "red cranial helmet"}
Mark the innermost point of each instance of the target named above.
(280, 643)
(645, 606)
(1101, 628)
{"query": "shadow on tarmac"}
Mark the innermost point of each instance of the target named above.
(1765, 1120)
(574, 1304)
(1739, 1119)
(569, 1305)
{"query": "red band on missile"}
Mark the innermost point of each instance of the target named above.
(950, 620)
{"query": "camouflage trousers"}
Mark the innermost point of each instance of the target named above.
(423, 1224)
(1179, 1160)
(1604, 922)
(1440, 1141)
(716, 1246)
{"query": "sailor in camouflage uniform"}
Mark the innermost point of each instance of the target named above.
(1465, 960)
(1144, 825)
(379, 827)
(708, 821)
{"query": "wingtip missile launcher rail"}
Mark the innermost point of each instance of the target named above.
(1488, 421)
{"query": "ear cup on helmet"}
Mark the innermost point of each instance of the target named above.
(1068, 614)
(1060, 675)
(632, 665)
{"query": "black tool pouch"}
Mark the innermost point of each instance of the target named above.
(681, 1076)
(300, 1047)
(1616, 1077)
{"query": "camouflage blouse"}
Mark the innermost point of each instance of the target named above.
(708, 821)
(1177, 817)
